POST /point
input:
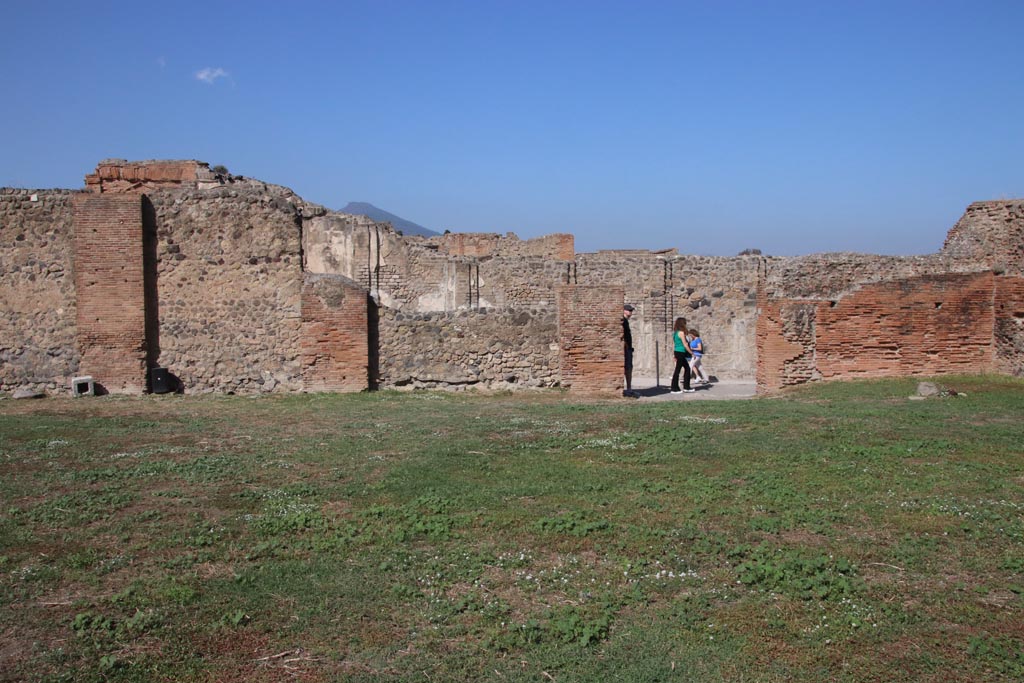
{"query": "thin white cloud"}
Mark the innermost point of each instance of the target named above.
(209, 75)
(162, 61)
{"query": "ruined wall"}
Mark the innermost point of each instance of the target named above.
(37, 298)
(336, 337)
(718, 296)
(443, 273)
(590, 338)
(557, 246)
(991, 236)
(121, 176)
(488, 348)
(1009, 325)
(225, 306)
(229, 281)
(110, 291)
(925, 325)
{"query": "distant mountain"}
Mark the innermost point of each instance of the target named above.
(382, 216)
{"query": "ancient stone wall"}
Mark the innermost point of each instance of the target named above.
(508, 348)
(557, 247)
(229, 282)
(121, 176)
(110, 291)
(37, 295)
(590, 338)
(1009, 325)
(717, 296)
(336, 335)
(990, 235)
(925, 325)
(226, 306)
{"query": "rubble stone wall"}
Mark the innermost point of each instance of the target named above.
(38, 351)
(508, 348)
(1009, 325)
(229, 284)
(990, 235)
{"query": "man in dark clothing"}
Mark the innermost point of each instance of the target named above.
(627, 349)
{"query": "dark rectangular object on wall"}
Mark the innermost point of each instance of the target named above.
(159, 381)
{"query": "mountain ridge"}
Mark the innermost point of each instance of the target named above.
(406, 227)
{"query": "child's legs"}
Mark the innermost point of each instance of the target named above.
(698, 370)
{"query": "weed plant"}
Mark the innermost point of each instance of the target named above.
(838, 532)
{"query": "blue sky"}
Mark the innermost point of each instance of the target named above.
(790, 126)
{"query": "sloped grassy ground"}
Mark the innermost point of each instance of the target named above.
(838, 533)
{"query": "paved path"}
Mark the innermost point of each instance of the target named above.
(648, 390)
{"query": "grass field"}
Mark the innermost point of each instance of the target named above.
(840, 532)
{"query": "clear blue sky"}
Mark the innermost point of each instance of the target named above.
(790, 126)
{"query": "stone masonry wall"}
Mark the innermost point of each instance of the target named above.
(222, 284)
(590, 338)
(717, 296)
(229, 281)
(558, 246)
(110, 291)
(37, 297)
(489, 348)
(335, 334)
(990, 234)
(1009, 325)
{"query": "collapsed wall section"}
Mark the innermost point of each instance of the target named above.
(229, 279)
(488, 348)
(38, 349)
(110, 291)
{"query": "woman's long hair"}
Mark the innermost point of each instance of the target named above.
(680, 325)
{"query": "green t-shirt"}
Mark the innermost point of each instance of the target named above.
(680, 342)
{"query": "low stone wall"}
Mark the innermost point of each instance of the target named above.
(37, 294)
(510, 348)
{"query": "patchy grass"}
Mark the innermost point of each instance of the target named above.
(838, 532)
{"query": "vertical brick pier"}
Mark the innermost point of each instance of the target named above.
(590, 337)
(110, 287)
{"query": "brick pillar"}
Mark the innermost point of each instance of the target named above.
(335, 341)
(110, 291)
(590, 337)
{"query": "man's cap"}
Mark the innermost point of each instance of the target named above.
(628, 307)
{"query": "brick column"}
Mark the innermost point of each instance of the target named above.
(110, 291)
(335, 337)
(590, 337)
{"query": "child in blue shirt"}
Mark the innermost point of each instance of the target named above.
(696, 353)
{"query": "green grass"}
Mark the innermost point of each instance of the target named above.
(839, 532)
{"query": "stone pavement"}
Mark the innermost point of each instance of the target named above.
(648, 390)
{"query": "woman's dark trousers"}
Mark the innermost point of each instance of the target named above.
(681, 364)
